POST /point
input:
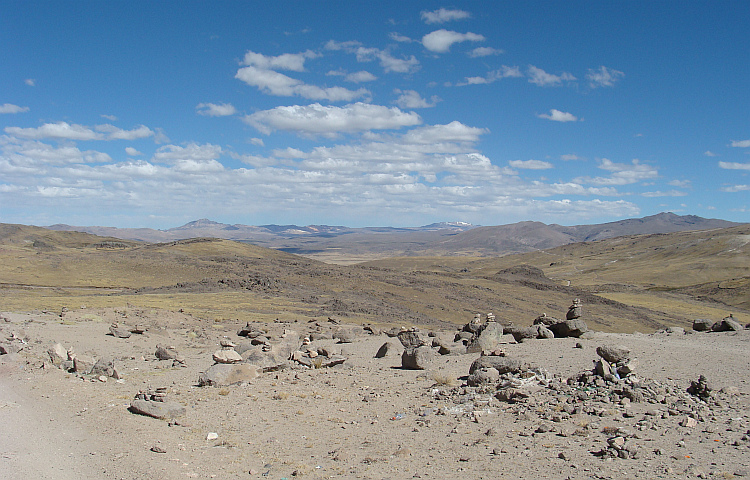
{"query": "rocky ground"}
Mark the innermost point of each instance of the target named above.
(541, 408)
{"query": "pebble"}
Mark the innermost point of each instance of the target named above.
(212, 436)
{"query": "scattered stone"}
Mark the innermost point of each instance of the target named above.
(158, 449)
(701, 388)
(165, 353)
(212, 436)
(501, 364)
(344, 335)
(119, 332)
(412, 338)
(57, 354)
(569, 328)
(488, 338)
(83, 364)
(727, 324)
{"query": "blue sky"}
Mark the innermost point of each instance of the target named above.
(152, 114)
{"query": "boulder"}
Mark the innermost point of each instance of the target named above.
(483, 376)
(613, 353)
(385, 350)
(162, 410)
(57, 354)
(411, 339)
(222, 374)
(8, 348)
(344, 335)
(522, 334)
(83, 364)
(106, 367)
(417, 358)
(727, 324)
(119, 332)
(543, 332)
(227, 355)
(488, 338)
(165, 353)
(702, 325)
(569, 328)
(501, 364)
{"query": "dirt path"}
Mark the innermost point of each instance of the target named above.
(38, 441)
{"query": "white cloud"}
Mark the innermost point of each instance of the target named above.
(734, 166)
(440, 41)
(709, 153)
(603, 77)
(360, 77)
(66, 131)
(443, 15)
(484, 52)
(736, 188)
(114, 133)
(622, 173)
(10, 108)
(215, 110)
(275, 83)
(537, 76)
(492, 76)
(59, 131)
(329, 121)
(741, 143)
(568, 157)
(412, 99)
(388, 62)
(558, 116)
(37, 154)
(190, 154)
(452, 132)
(132, 151)
(257, 141)
(30, 82)
(531, 164)
(287, 61)
(397, 37)
(659, 193)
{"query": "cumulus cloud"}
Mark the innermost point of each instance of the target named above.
(388, 62)
(734, 166)
(622, 173)
(287, 61)
(451, 132)
(530, 164)
(215, 110)
(736, 188)
(193, 152)
(558, 116)
(10, 108)
(537, 76)
(440, 41)
(360, 77)
(603, 77)
(709, 153)
(38, 154)
(492, 76)
(132, 151)
(278, 84)
(740, 143)
(66, 131)
(412, 99)
(443, 15)
(329, 121)
(659, 193)
(484, 52)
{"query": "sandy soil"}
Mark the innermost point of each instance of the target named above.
(366, 418)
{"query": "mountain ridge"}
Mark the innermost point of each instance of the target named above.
(328, 242)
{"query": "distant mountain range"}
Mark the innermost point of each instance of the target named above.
(444, 238)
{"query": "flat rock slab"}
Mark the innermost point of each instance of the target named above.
(162, 410)
(222, 374)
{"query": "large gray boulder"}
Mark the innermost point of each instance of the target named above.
(223, 374)
(702, 325)
(727, 324)
(417, 358)
(487, 339)
(569, 328)
(501, 364)
(162, 410)
(412, 339)
(385, 350)
(613, 353)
